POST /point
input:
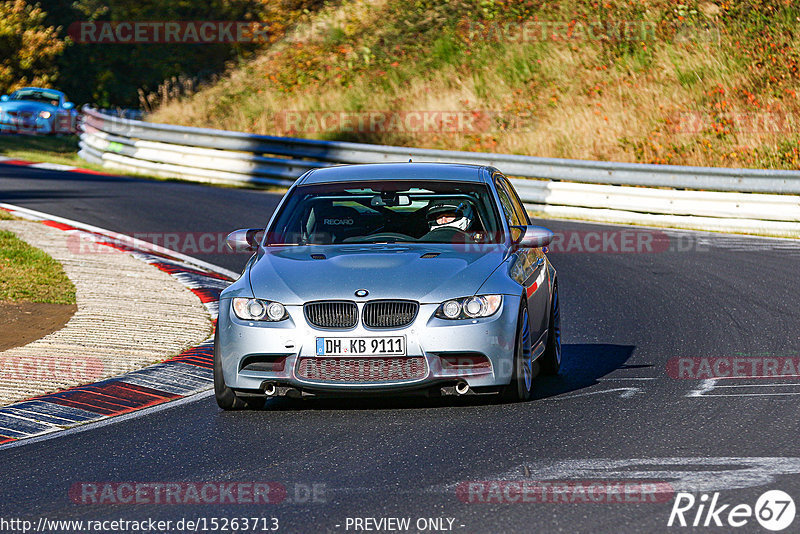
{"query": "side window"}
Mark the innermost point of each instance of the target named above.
(506, 199)
(505, 202)
(519, 208)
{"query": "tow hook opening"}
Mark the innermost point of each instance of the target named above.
(272, 389)
(458, 389)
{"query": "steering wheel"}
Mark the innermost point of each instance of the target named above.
(447, 234)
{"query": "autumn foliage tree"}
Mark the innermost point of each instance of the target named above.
(35, 48)
(29, 48)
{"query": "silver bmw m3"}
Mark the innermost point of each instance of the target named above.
(390, 278)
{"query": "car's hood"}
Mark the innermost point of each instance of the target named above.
(25, 106)
(290, 274)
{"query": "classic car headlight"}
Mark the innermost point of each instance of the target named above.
(470, 307)
(258, 310)
(44, 114)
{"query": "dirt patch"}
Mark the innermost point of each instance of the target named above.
(23, 322)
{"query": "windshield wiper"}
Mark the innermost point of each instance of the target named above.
(381, 242)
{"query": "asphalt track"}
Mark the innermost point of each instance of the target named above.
(613, 414)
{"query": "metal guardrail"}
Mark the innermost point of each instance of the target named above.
(738, 200)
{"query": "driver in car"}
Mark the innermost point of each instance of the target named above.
(446, 214)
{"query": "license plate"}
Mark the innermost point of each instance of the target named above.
(361, 346)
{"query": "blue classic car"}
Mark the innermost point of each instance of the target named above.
(33, 110)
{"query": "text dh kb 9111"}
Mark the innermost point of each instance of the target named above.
(390, 278)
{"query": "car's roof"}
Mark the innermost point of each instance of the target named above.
(397, 171)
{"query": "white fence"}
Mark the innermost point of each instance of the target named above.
(733, 200)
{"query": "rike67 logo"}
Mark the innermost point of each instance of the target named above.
(774, 510)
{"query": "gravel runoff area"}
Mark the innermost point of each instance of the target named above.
(130, 314)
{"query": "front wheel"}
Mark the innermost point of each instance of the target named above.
(551, 359)
(227, 399)
(521, 386)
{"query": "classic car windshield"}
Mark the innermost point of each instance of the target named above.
(36, 95)
(387, 212)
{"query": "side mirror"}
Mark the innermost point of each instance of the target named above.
(534, 237)
(4, 98)
(68, 105)
(246, 240)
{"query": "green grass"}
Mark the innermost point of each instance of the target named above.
(51, 149)
(48, 149)
(27, 274)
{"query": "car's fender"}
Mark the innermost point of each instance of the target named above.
(500, 282)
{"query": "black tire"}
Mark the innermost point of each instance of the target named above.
(551, 358)
(227, 399)
(520, 388)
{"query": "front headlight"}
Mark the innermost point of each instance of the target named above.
(259, 310)
(44, 114)
(470, 307)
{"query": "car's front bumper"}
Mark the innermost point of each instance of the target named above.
(35, 125)
(440, 342)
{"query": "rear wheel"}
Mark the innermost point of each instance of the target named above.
(521, 384)
(551, 359)
(226, 397)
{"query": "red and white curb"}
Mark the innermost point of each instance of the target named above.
(49, 166)
(182, 376)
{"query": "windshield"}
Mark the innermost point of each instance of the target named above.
(387, 212)
(36, 95)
